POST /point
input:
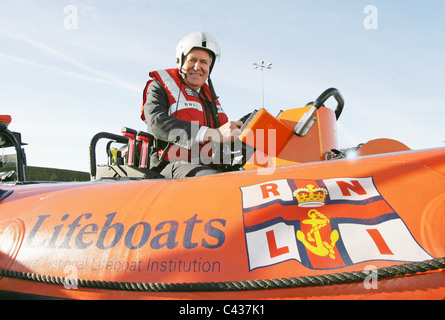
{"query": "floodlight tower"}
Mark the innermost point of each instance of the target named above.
(261, 67)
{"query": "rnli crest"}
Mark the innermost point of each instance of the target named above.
(323, 224)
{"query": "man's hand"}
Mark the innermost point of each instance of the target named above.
(227, 132)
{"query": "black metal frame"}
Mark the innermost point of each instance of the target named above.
(138, 164)
(96, 138)
(326, 95)
(16, 142)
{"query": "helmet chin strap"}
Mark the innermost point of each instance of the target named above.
(213, 107)
(182, 73)
(212, 89)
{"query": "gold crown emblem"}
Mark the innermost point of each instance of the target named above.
(310, 197)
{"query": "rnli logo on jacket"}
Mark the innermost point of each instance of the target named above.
(323, 224)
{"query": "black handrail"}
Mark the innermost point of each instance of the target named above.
(326, 95)
(96, 138)
(18, 150)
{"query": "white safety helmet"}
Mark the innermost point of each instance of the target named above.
(197, 39)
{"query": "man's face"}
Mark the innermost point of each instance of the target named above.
(197, 67)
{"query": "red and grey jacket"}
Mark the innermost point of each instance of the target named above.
(185, 104)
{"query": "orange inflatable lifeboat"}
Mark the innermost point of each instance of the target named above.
(300, 220)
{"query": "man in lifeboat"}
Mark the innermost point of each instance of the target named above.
(183, 113)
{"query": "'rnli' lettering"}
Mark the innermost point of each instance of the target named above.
(354, 186)
(80, 235)
(351, 189)
(379, 242)
(269, 188)
(273, 250)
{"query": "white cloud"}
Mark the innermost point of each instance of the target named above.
(101, 77)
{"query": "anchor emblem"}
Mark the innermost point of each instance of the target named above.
(315, 197)
(321, 248)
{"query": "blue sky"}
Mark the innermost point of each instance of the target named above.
(62, 85)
